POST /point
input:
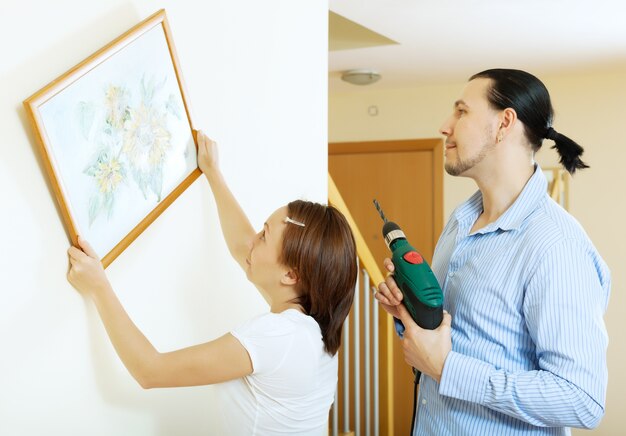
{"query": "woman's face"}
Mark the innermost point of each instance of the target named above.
(263, 268)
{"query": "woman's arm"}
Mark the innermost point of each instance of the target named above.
(236, 228)
(213, 362)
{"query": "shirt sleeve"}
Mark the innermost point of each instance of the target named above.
(564, 304)
(267, 340)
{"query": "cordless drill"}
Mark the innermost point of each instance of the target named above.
(422, 295)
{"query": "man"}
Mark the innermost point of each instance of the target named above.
(522, 347)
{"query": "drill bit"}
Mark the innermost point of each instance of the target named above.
(380, 210)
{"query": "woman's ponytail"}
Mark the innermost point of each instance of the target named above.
(569, 151)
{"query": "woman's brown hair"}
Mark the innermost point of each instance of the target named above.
(323, 254)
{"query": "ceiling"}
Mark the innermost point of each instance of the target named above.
(415, 42)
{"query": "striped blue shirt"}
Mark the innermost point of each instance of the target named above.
(527, 294)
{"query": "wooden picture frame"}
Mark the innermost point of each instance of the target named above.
(116, 137)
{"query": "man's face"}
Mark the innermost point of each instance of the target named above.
(470, 131)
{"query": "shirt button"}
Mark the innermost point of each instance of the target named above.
(450, 274)
(423, 401)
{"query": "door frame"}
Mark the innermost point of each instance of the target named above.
(429, 144)
(387, 330)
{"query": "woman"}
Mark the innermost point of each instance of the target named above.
(280, 368)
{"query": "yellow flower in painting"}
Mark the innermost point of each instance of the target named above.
(146, 140)
(116, 106)
(108, 175)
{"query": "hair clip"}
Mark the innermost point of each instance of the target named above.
(289, 220)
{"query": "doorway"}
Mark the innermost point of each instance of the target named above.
(406, 177)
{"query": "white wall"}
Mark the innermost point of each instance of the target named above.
(256, 80)
(589, 109)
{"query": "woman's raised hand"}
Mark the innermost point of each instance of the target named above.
(207, 153)
(86, 273)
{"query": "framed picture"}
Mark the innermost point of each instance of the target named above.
(558, 185)
(116, 137)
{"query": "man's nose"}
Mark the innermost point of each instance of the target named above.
(446, 127)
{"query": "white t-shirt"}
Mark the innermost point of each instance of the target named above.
(293, 380)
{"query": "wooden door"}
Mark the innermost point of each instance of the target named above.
(406, 177)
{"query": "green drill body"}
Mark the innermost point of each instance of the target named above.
(423, 297)
(421, 292)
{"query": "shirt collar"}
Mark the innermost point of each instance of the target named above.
(512, 219)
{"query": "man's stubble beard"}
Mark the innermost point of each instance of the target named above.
(461, 166)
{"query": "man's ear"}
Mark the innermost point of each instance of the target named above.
(289, 278)
(508, 118)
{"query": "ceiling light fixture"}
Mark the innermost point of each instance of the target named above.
(360, 77)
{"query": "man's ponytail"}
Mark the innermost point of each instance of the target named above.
(569, 151)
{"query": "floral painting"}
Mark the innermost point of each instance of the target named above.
(120, 139)
(132, 143)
